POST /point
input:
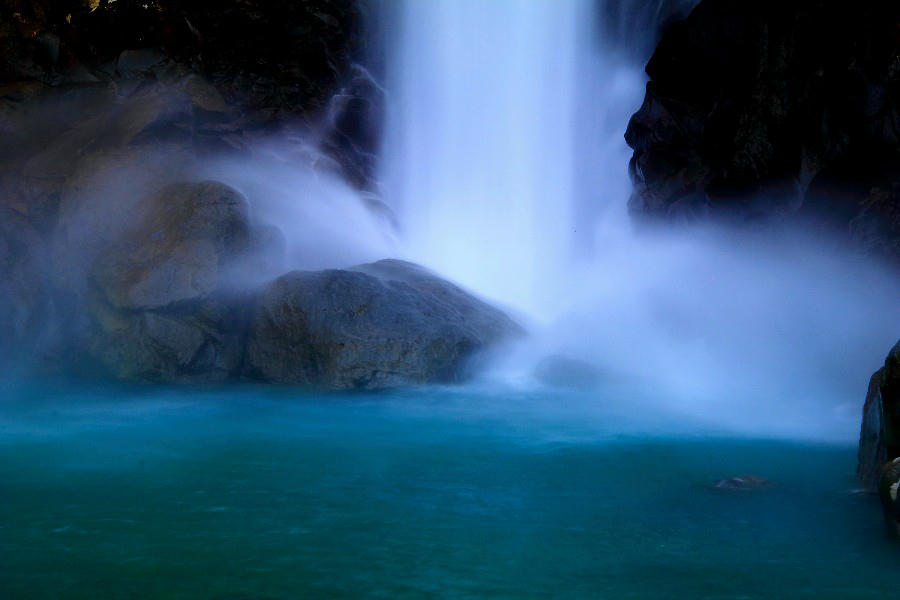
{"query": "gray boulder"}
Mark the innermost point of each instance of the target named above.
(377, 325)
(889, 493)
(161, 299)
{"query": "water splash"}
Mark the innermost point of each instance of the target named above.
(505, 164)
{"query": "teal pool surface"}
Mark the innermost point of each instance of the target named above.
(246, 493)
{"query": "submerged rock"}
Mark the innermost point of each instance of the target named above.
(879, 436)
(378, 325)
(889, 493)
(767, 110)
(743, 483)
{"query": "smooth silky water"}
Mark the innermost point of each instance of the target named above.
(482, 491)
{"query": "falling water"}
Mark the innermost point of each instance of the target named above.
(506, 166)
(480, 165)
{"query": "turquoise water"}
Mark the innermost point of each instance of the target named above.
(264, 493)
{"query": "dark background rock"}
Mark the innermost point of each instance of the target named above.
(283, 55)
(230, 68)
(889, 494)
(385, 324)
(879, 438)
(764, 110)
(633, 27)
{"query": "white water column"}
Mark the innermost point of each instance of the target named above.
(479, 160)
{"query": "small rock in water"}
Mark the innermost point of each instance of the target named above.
(743, 482)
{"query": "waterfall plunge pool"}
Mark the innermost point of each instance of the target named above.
(480, 491)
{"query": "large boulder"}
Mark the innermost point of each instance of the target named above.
(164, 300)
(879, 437)
(378, 325)
(769, 110)
(178, 250)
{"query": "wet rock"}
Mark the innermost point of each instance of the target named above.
(889, 494)
(244, 65)
(384, 324)
(139, 62)
(743, 483)
(879, 436)
(162, 300)
(762, 111)
(355, 117)
(79, 158)
(179, 250)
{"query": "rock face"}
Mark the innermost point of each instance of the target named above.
(161, 302)
(879, 437)
(276, 54)
(889, 494)
(762, 110)
(379, 325)
(105, 106)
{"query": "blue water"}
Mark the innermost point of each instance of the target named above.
(249, 492)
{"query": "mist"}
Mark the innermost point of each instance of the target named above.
(505, 164)
(503, 169)
(457, 298)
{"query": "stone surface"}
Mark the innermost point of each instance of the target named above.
(879, 437)
(742, 483)
(767, 111)
(106, 106)
(353, 134)
(162, 300)
(379, 325)
(889, 494)
(179, 250)
(227, 70)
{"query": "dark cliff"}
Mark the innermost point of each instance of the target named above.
(771, 111)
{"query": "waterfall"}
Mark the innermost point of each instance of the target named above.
(504, 158)
(481, 153)
(506, 169)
